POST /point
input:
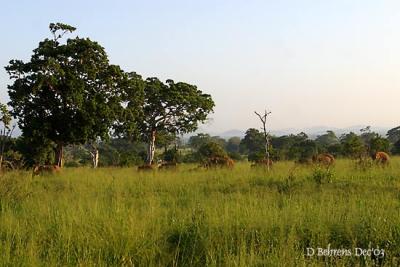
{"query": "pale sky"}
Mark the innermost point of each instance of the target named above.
(333, 63)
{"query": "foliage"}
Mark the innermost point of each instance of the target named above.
(396, 148)
(165, 139)
(235, 156)
(322, 175)
(393, 135)
(172, 155)
(353, 145)
(67, 93)
(252, 142)
(328, 139)
(196, 141)
(378, 143)
(233, 145)
(256, 156)
(5, 116)
(210, 150)
(171, 107)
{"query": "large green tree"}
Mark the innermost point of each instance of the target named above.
(68, 93)
(171, 107)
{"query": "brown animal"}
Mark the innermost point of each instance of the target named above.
(146, 167)
(41, 169)
(382, 158)
(325, 159)
(168, 165)
(262, 163)
(215, 162)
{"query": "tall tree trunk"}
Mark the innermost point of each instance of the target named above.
(152, 147)
(59, 155)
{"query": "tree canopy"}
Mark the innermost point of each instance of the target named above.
(68, 93)
(173, 107)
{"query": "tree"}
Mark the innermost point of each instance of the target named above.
(252, 142)
(378, 143)
(307, 149)
(263, 119)
(165, 139)
(211, 149)
(353, 145)
(396, 148)
(6, 132)
(327, 139)
(67, 93)
(233, 144)
(219, 140)
(196, 141)
(176, 108)
(393, 135)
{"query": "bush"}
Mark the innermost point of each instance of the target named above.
(190, 158)
(322, 175)
(172, 155)
(235, 156)
(256, 156)
(364, 163)
(210, 150)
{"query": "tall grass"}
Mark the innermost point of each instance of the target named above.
(239, 217)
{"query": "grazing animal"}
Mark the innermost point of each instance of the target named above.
(325, 159)
(50, 169)
(382, 158)
(214, 162)
(262, 163)
(147, 167)
(168, 165)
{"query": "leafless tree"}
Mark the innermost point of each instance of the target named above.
(93, 149)
(263, 119)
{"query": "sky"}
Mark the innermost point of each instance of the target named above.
(311, 63)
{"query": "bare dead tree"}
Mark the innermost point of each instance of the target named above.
(263, 119)
(93, 148)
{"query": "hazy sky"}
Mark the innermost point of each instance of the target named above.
(311, 63)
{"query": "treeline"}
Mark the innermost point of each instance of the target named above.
(301, 148)
(122, 152)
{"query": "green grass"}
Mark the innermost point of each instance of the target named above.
(240, 217)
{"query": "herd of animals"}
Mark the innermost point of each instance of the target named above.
(325, 159)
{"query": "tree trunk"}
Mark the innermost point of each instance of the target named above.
(59, 155)
(151, 148)
(95, 157)
(1, 161)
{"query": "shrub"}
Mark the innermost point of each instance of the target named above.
(210, 150)
(172, 155)
(256, 156)
(322, 175)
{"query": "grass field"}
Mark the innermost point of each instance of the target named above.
(240, 217)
